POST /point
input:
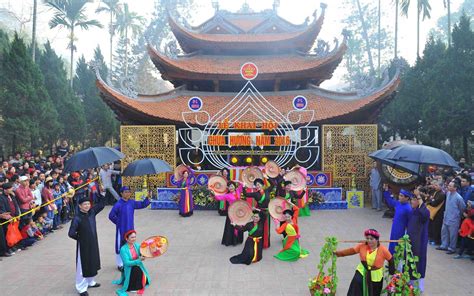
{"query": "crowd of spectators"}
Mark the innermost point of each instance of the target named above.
(31, 181)
(449, 196)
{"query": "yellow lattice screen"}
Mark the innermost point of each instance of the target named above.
(347, 146)
(154, 141)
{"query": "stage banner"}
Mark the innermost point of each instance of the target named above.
(166, 198)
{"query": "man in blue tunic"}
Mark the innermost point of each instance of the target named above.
(402, 214)
(122, 215)
(418, 231)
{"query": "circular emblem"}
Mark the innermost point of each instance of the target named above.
(249, 71)
(202, 179)
(300, 103)
(173, 180)
(321, 179)
(309, 180)
(195, 104)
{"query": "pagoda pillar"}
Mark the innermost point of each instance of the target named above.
(216, 85)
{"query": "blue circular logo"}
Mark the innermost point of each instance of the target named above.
(300, 103)
(195, 104)
(321, 179)
(309, 179)
(173, 180)
(202, 179)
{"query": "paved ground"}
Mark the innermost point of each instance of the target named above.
(196, 263)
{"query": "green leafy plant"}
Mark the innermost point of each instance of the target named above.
(202, 196)
(399, 284)
(325, 283)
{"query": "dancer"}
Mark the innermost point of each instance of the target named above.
(122, 215)
(253, 247)
(292, 250)
(303, 200)
(83, 229)
(134, 276)
(372, 256)
(262, 196)
(418, 231)
(186, 202)
(402, 214)
(232, 236)
(223, 206)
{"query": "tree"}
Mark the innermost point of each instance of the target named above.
(422, 6)
(435, 98)
(69, 107)
(113, 8)
(101, 123)
(397, 2)
(128, 21)
(441, 30)
(123, 59)
(447, 4)
(33, 33)
(357, 62)
(365, 35)
(29, 119)
(70, 14)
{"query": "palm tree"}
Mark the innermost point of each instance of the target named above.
(397, 2)
(128, 22)
(447, 4)
(113, 8)
(379, 38)
(422, 6)
(70, 14)
(33, 34)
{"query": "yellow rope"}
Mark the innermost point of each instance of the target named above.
(46, 204)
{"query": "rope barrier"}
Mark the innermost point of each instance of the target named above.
(47, 203)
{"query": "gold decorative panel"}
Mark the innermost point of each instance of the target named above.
(147, 141)
(346, 148)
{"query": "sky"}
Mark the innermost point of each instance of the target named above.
(295, 11)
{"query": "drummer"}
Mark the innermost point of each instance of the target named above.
(262, 196)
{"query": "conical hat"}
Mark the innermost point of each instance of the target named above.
(276, 206)
(154, 246)
(248, 175)
(272, 169)
(179, 171)
(240, 212)
(297, 179)
(217, 184)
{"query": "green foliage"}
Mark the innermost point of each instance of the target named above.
(404, 254)
(68, 106)
(29, 118)
(435, 97)
(101, 123)
(440, 32)
(202, 195)
(327, 280)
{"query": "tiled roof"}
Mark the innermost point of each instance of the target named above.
(168, 108)
(289, 66)
(191, 41)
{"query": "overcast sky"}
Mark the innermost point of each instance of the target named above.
(293, 10)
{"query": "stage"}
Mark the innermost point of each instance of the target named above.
(196, 263)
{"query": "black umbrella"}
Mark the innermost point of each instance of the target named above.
(92, 158)
(381, 155)
(422, 154)
(147, 166)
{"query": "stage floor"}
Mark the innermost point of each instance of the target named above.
(197, 264)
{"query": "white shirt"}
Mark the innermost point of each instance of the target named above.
(106, 177)
(37, 196)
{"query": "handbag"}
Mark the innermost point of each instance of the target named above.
(434, 210)
(13, 236)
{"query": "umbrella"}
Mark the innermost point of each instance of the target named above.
(422, 154)
(147, 166)
(92, 158)
(381, 155)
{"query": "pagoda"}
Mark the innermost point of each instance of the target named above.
(208, 61)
